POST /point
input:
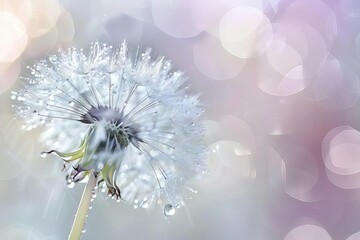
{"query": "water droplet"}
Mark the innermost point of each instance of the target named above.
(71, 103)
(43, 154)
(100, 166)
(169, 210)
(90, 207)
(93, 194)
(145, 204)
(83, 231)
(70, 184)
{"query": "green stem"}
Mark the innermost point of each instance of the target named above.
(83, 208)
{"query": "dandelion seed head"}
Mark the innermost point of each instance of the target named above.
(128, 118)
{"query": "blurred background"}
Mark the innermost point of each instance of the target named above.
(280, 81)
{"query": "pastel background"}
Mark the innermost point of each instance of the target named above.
(280, 81)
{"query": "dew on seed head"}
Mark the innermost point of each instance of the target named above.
(70, 184)
(43, 154)
(93, 195)
(169, 210)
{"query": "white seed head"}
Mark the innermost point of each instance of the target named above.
(127, 118)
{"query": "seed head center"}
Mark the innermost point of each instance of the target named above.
(118, 133)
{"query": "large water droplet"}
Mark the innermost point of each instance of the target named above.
(169, 210)
(43, 154)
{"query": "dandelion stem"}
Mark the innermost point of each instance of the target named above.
(83, 208)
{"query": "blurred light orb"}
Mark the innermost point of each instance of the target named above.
(13, 38)
(237, 167)
(207, 14)
(340, 151)
(233, 155)
(245, 32)
(212, 60)
(308, 232)
(315, 13)
(44, 15)
(284, 58)
(342, 148)
(294, 56)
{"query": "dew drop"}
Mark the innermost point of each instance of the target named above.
(145, 203)
(93, 195)
(71, 103)
(70, 184)
(90, 207)
(169, 210)
(83, 231)
(43, 154)
(100, 166)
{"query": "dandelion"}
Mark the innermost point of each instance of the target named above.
(125, 124)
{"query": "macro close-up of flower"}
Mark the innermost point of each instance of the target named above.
(179, 119)
(136, 129)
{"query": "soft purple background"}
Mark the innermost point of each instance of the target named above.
(280, 81)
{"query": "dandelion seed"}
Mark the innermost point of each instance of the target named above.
(125, 123)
